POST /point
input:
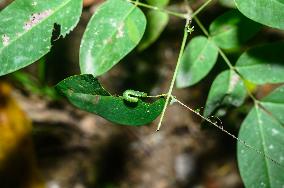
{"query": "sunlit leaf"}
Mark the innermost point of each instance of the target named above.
(265, 134)
(85, 92)
(267, 12)
(198, 59)
(115, 29)
(26, 29)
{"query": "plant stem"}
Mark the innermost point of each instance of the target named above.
(227, 61)
(180, 15)
(225, 58)
(169, 94)
(200, 8)
(201, 26)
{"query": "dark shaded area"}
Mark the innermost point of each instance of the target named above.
(111, 167)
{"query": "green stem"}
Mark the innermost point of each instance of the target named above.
(201, 26)
(225, 58)
(169, 94)
(200, 8)
(227, 61)
(180, 15)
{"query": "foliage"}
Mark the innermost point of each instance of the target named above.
(85, 92)
(264, 128)
(232, 29)
(199, 57)
(23, 20)
(267, 12)
(113, 31)
(118, 26)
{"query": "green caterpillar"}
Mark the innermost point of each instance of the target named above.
(133, 96)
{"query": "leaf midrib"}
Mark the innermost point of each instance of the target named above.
(263, 143)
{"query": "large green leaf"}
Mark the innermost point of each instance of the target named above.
(198, 59)
(227, 89)
(263, 64)
(26, 29)
(85, 92)
(265, 134)
(232, 29)
(114, 30)
(267, 12)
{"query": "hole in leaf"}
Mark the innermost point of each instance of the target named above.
(56, 33)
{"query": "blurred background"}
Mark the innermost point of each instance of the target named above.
(46, 142)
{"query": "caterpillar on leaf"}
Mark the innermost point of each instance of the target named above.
(133, 96)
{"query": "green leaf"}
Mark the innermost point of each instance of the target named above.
(267, 12)
(157, 21)
(274, 103)
(232, 29)
(263, 64)
(158, 3)
(228, 3)
(265, 134)
(85, 84)
(86, 93)
(26, 29)
(227, 89)
(198, 59)
(114, 30)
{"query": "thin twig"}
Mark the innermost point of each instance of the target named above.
(230, 134)
(200, 8)
(177, 14)
(185, 35)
